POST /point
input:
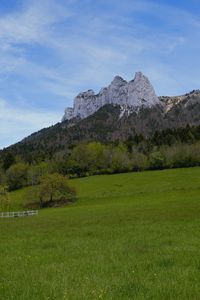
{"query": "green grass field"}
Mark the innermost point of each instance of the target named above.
(129, 236)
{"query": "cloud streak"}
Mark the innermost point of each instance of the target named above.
(21, 122)
(51, 50)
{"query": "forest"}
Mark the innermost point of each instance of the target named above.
(172, 148)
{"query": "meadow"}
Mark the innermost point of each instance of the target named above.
(128, 236)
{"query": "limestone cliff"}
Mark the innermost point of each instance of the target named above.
(134, 94)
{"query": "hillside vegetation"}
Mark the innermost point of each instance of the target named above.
(174, 148)
(110, 125)
(129, 236)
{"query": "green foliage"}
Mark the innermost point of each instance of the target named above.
(156, 160)
(2, 177)
(54, 187)
(181, 155)
(139, 161)
(97, 156)
(36, 171)
(120, 161)
(4, 198)
(8, 160)
(171, 148)
(94, 158)
(17, 176)
(80, 156)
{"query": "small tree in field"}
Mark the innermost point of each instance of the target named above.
(4, 198)
(54, 187)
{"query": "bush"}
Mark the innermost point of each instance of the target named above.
(54, 189)
(17, 176)
(182, 155)
(156, 160)
(139, 161)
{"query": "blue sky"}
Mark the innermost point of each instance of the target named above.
(50, 50)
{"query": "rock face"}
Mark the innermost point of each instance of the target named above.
(134, 94)
(111, 122)
(185, 101)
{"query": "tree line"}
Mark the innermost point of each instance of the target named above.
(97, 158)
(172, 148)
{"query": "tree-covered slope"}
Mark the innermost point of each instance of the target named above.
(109, 124)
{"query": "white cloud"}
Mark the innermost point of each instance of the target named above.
(94, 43)
(87, 50)
(31, 25)
(17, 123)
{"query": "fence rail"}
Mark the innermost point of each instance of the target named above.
(17, 214)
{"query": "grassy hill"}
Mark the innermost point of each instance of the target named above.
(129, 236)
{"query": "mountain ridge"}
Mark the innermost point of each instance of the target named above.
(108, 124)
(112, 122)
(134, 94)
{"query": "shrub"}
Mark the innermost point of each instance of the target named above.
(54, 188)
(156, 160)
(17, 176)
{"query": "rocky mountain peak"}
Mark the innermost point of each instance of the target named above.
(139, 75)
(141, 92)
(118, 80)
(134, 94)
(86, 94)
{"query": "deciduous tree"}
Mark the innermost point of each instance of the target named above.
(54, 187)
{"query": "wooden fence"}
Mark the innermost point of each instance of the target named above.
(17, 214)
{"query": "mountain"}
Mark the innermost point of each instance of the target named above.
(134, 94)
(122, 110)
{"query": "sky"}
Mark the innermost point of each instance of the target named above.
(50, 50)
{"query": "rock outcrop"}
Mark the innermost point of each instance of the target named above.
(113, 123)
(134, 94)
